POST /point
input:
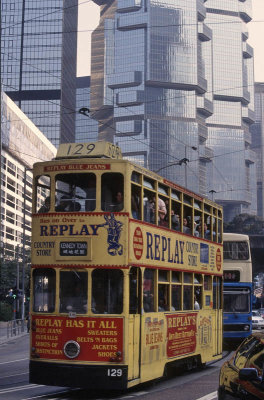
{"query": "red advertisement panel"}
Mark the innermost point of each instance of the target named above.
(99, 338)
(181, 334)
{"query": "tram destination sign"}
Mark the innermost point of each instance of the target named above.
(73, 249)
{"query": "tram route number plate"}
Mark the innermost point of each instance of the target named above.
(73, 249)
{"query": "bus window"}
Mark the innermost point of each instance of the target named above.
(134, 285)
(44, 286)
(42, 194)
(73, 292)
(73, 191)
(112, 192)
(148, 290)
(107, 291)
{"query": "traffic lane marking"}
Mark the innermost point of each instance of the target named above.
(209, 396)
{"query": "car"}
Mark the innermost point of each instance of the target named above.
(257, 320)
(242, 376)
(261, 311)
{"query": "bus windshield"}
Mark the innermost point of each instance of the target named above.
(236, 251)
(237, 300)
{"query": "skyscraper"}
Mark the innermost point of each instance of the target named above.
(230, 67)
(38, 68)
(171, 77)
(86, 129)
(257, 132)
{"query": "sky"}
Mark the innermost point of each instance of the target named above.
(89, 18)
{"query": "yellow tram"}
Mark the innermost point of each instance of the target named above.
(126, 273)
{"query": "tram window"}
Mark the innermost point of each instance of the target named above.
(135, 177)
(163, 189)
(187, 297)
(176, 277)
(207, 282)
(163, 298)
(197, 279)
(176, 297)
(219, 231)
(136, 202)
(149, 207)
(75, 192)
(217, 298)
(187, 220)
(107, 291)
(175, 216)
(44, 287)
(163, 276)
(73, 292)
(42, 201)
(149, 183)
(197, 223)
(175, 195)
(148, 290)
(187, 277)
(112, 192)
(134, 285)
(197, 297)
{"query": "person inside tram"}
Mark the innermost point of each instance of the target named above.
(75, 300)
(66, 204)
(45, 207)
(186, 226)
(119, 202)
(196, 304)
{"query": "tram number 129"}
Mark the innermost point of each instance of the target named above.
(114, 372)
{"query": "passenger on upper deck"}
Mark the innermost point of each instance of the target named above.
(66, 204)
(119, 203)
(46, 206)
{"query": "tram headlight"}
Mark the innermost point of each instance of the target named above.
(71, 349)
(246, 328)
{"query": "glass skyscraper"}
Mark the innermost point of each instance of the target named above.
(170, 82)
(38, 62)
(86, 127)
(231, 63)
(257, 132)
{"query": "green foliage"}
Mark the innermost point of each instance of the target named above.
(8, 277)
(245, 223)
(6, 311)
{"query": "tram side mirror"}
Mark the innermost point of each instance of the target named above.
(249, 374)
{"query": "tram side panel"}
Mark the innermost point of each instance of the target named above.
(175, 335)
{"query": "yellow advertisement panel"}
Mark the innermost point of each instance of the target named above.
(98, 239)
(156, 246)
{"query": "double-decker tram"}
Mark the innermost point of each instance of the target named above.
(126, 273)
(237, 287)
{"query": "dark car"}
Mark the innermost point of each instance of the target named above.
(242, 376)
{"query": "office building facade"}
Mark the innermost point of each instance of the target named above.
(257, 133)
(38, 62)
(86, 128)
(22, 144)
(231, 175)
(156, 71)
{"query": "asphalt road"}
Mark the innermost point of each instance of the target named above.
(14, 385)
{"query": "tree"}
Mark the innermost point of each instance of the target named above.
(245, 223)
